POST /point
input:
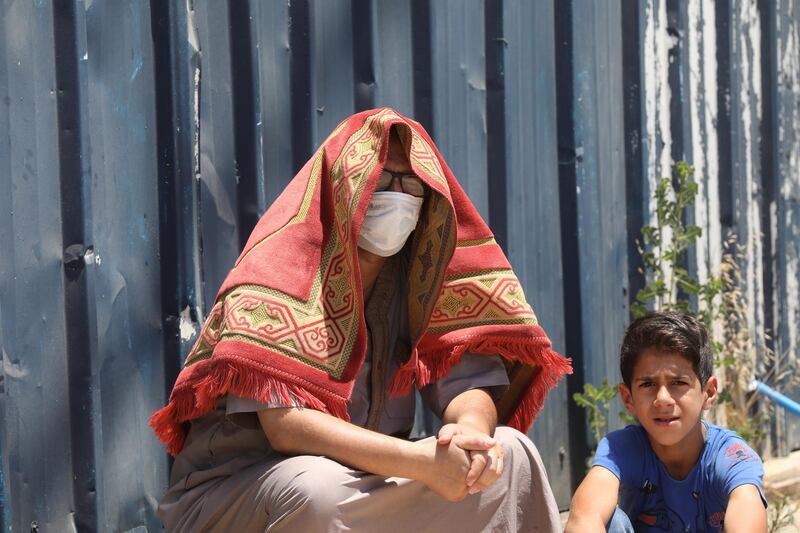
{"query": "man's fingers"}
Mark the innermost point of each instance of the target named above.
(500, 463)
(476, 467)
(477, 487)
(473, 442)
(447, 432)
(493, 469)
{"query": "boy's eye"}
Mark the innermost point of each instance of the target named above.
(644, 384)
(680, 383)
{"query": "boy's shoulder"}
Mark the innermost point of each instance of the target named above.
(725, 450)
(726, 463)
(625, 452)
(630, 438)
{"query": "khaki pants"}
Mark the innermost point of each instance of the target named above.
(315, 494)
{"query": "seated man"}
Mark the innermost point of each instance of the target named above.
(372, 272)
(672, 471)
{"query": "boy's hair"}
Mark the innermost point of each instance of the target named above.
(671, 332)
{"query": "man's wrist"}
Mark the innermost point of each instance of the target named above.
(475, 423)
(413, 460)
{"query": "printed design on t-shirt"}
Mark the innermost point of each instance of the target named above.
(716, 519)
(658, 516)
(739, 453)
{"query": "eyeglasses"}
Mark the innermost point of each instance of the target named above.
(409, 183)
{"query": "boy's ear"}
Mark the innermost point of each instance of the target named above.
(710, 390)
(627, 398)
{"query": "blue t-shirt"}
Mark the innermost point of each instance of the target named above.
(656, 502)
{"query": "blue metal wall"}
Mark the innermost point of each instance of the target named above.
(140, 141)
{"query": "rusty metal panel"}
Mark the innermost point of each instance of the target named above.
(176, 100)
(331, 66)
(219, 213)
(524, 60)
(785, 212)
(597, 157)
(392, 55)
(746, 185)
(271, 30)
(458, 81)
(36, 385)
(121, 214)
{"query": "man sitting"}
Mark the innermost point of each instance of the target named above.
(371, 273)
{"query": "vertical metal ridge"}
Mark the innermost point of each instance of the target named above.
(76, 297)
(635, 177)
(495, 44)
(244, 115)
(723, 23)
(677, 22)
(6, 273)
(169, 184)
(176, 71)
(677, 30)
(769, 170)
(300, 74)
(363, 55)
(570, 253)
(421, 59)
(769, 159)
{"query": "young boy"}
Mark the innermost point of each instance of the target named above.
(672, 471)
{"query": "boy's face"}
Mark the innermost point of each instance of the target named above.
(667, 397)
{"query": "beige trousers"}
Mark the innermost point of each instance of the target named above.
(315, 494)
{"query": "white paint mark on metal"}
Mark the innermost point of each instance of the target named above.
(696, 101)
(188, 329)
(658, 94)
(787, 222)
(191, 27)
(710, 112)
(13, 369)
(196, 117)
(92, 257)
(701, 35)
(194, 43)
(747, 46)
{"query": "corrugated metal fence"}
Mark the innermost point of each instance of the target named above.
(142, 140)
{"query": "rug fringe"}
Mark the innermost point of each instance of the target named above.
(432, 365)
(194, 398)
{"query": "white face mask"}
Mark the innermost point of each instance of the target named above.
(390, 219)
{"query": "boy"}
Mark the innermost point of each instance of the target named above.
(672, 471)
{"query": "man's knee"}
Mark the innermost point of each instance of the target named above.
(520, 453)
(314, 487)
(515, 442)
(527, 478)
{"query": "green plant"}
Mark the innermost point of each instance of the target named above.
(669, 285)
(597, 401)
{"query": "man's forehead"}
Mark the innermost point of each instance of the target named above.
(396, 159)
